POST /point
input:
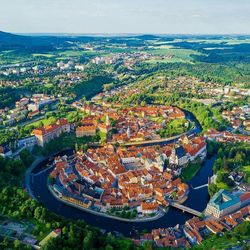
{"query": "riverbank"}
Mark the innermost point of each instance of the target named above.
(156, 217)
(36, 162)
(28, 173)
(197, 199)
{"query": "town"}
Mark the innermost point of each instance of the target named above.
(195, 229)
(108, 179)
(134, 142)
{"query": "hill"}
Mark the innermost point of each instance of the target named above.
(10, 41)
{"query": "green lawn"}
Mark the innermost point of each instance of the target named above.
(190, 171)
(180, 55)
(48, 85)
(69, 53)
(37, 123)
(246, 169)
(167, 60)
(222, 185)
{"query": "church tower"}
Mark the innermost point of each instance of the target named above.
(107, 121)
(128, 132)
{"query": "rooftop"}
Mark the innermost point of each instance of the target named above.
(223, 199)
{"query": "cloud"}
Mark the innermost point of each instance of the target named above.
(126, 16)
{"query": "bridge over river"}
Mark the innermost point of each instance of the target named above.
(201, 186)
(185, 209)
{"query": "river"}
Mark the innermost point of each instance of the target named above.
(197, 199)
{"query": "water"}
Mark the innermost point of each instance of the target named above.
(197, 199)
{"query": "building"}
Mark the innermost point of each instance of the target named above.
(196, 148)
(33, 114)
(105, 127)
(86, 130)
(47, 133)
(149, 207)
(79, 67)
(5, 151)
(28, 142)
(178, 156)
(222, 203)
(22, 102)
(33, 107)
(53, 234)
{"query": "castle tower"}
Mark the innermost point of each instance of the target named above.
(128, 132)
(107, 121)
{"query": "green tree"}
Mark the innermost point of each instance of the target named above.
(88, 241)
(212, 189)
(17, 244)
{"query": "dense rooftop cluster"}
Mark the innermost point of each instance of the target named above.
(117, 177)
(225, 136)
(238, 117)
(133, 177)
(196, 229)
(128, 124)
(26, 109)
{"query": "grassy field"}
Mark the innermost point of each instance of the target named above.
(222, 185)
(246, 169)
(161, 47)
(38, 123)
(69, 53)
(168, 60)
(159, 42)
(79, 53)
(190, 171)
(180, 55)
(226, 41)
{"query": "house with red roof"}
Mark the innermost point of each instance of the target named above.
(47, 133)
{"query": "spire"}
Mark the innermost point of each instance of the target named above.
(128, 132)
(107, 121)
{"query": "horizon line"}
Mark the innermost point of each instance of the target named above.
(125, 34)
(112, 34)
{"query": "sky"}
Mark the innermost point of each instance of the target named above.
(126, 16)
